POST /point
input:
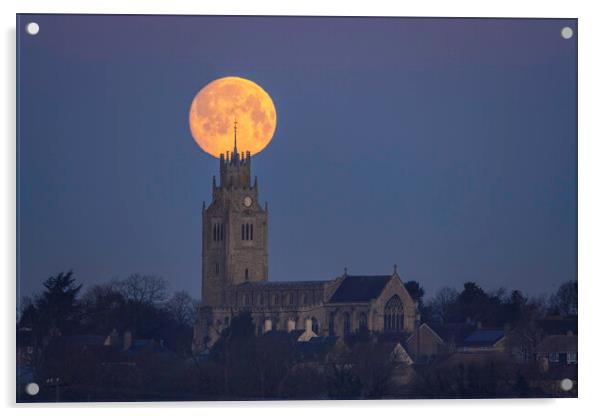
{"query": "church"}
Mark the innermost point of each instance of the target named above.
(235, 275)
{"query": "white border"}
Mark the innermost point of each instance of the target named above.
(590, 200)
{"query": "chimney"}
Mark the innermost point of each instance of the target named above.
(290, 325)
(127, 340)
(267, 326)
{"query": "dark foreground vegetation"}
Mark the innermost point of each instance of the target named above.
(126, 340)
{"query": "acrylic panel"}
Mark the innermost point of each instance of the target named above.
(420, 239)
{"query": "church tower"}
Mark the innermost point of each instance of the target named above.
(235, 230)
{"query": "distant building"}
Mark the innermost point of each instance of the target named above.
(483, 340)
(235, 274)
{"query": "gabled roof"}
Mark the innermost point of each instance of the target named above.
(359, 289)
(558, 325)
(557, 343)
(483, 337)
(426, 327)
(452, 332)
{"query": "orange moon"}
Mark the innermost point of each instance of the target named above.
(218, 104)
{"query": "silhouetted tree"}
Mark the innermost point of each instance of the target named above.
(140, 288)
(564, 301)
(443, 305)
(182, 308)
(415, 290)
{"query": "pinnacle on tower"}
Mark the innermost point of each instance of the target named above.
(235, 151)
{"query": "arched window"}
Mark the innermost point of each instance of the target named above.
(331, 329)
(304, 299)
(346, 323)
(290, 299)
(251, 238)
(394, 315)
(276, 299)
(247, 275)
(363, 321)
(315, 325)
(242, 234)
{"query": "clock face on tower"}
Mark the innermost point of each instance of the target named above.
(247, 201)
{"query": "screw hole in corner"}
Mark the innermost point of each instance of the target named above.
(32, 28)
(566, 32)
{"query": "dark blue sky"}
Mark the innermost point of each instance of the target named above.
(447, 146)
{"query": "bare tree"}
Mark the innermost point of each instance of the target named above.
(142, 289)
(182, 307)
(443, 303)
(564, 301)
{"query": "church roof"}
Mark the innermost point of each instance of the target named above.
(359, 289)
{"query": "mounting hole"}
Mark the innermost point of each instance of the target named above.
(566, 32)
(32, 389)
(32, 28)
(566, 384)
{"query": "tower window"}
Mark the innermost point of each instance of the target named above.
(246, 232)
(247, 274)
(218, 231)
(216, 268)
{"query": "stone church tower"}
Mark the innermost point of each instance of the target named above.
(235, 230)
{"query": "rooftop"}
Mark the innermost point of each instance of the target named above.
(359, 289)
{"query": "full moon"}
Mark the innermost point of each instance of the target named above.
(221, 103)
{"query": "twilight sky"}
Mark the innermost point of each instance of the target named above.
(447, 146)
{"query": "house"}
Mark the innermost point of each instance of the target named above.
(425, 344)
(557, 350)
(484, 340)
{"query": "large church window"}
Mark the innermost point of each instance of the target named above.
(394, 315)
(346, 323)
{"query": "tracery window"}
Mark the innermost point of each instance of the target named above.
(394, 315)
